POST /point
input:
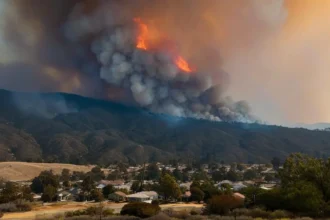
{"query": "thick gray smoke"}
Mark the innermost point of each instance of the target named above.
(152, 76)
(89, 47)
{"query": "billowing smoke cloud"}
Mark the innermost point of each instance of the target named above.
(152, 75)
(80, 44)
(251, 49)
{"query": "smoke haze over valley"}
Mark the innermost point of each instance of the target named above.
(184, 58)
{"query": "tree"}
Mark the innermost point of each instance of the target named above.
(44, 179)
(96, 173)
(49, 193)
(276, 162)
(169, 187)
(250, 174)
(96, 195)
(37, 185)
(233, 166)
(26, 193)
(232, 176)
(195, 183)
(135, 186)
(196, 194)
(139, 209)
(304, 197)
(201, 175)
(66, 183)
(222, 204)
(88, 184)
(9, 193)
(77, 175)
(270, 199)
(114, 175)
(252, 194)
(65, 175)
(219, 175)
(177, 174)
(107, 190)
(269, 177)
(209, 190)
(240, 167)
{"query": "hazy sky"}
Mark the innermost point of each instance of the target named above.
(276, 52)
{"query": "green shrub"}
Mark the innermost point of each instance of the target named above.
(240, 212)
(278, 214)
(258, 213)
(107, 212)
(183, 214)
(222, 204)
(23, 207)
(155, 202)
(160, 216)
(8, 207)
(243, 218)
(139, 209)
(75, 213)
(195, 212)
(197, 217)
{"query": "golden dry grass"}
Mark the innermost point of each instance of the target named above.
(22, 171)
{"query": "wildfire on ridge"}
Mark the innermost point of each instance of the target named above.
(182, 64)
(143, 37)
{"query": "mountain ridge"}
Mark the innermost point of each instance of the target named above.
(58, 127)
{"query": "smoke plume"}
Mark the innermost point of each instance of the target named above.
(254, 50)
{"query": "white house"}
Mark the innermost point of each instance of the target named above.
(238, 186)
(144, 196)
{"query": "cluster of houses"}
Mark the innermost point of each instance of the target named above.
(149, 196)
(122, 186)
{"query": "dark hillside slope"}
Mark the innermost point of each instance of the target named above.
(74, 129)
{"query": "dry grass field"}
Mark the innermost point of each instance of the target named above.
(22, 171)
(51, 210)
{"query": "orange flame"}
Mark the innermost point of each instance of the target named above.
(182, 64)
(143, 35)
(143, 42)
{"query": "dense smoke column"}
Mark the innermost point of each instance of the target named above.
(96, 41)
(155, 80)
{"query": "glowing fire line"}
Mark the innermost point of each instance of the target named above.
(143, 35)
(141, 43)
(182, 64)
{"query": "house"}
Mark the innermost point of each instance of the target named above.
(75, 193)
(267, 186)
(186, 185)
(112, 182)
(239, 196)
(226, 182)
(100, 186)
(186, 196)
(238, 186)
(117, 196)
(138, 197)
(269, 171)
(144, 196)
(124, 186)
(36, 197)
(152, 194)
(64, 196)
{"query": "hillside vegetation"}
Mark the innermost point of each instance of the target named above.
(73, 129)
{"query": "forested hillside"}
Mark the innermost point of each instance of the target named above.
(73, 129)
